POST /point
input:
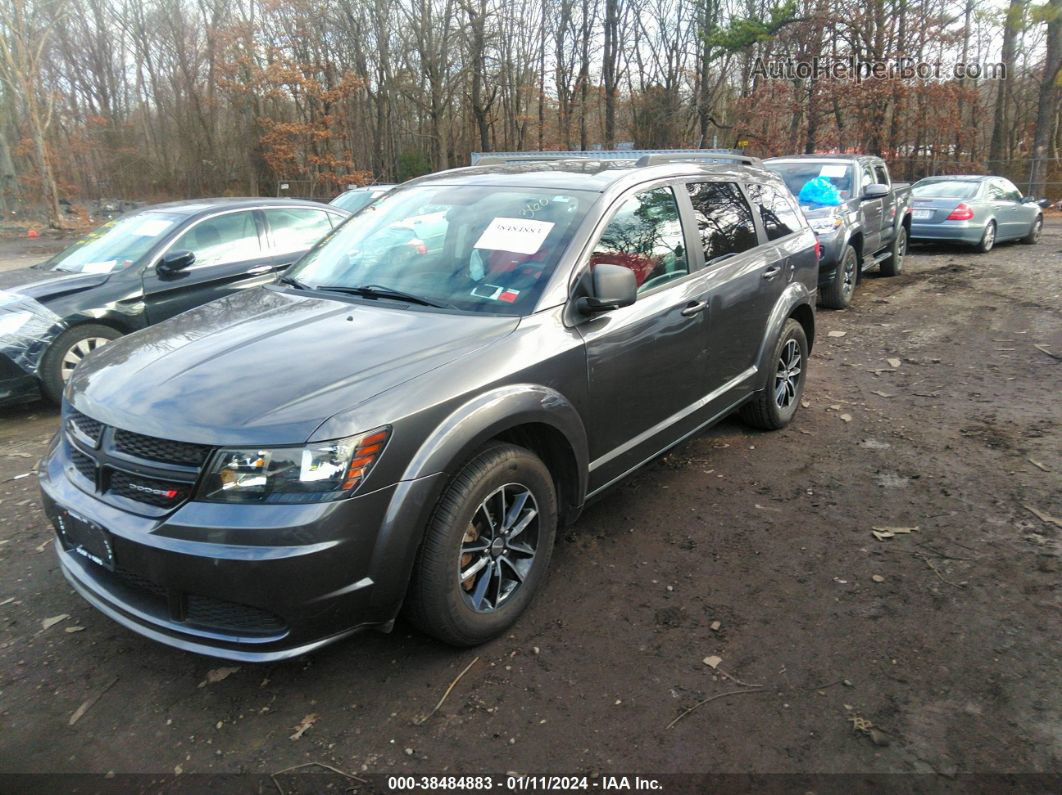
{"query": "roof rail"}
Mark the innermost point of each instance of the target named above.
(657, 159)
(495, 160)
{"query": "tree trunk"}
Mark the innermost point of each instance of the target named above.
(1049, 93)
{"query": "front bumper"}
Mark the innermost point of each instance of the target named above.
(253, 583)
(969, 232)
(17, 385)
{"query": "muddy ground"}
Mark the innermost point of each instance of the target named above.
(754, 548)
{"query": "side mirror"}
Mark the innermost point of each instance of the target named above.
(174, 262)
(1029, 200)
(875, 191)
(614, 286)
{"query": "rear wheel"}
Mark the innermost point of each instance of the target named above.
(486, 549)
(988, 239)
(773, 407)
(1034, 231)
(892, 265)
(838, 294)
(66, 353)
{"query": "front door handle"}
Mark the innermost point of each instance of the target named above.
(693, 308)
(260, 270)
(771, 272)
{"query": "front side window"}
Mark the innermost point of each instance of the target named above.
(295, 229)
(223, 239)
(471, 248)
(645, 235)
(115, 245)
(780, 216)
(724, 219)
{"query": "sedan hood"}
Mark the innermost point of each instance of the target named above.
(45, 284)
(268, 366)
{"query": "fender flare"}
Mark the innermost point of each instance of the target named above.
(796, 294)
(454, 441)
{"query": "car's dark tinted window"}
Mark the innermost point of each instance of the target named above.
(645, 235)
(724, 219)
(296, 229)
(780, 216)
(881, 175)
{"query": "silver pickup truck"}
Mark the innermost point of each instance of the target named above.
(869, 227)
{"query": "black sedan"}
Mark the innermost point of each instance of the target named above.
(139, 269)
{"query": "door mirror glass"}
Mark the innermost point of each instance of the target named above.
(876, 191)
(614, 286)
(174, 262)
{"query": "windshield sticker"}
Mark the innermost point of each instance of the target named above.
(99, 267)
(518, 235)
(152, 227)
(833, 171)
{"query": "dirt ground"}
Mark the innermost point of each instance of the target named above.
(753, 548)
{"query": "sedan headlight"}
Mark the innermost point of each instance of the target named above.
(10, 322)
(825, 225)
(317, 472)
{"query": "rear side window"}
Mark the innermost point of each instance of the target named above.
(881, 175)
(645, 235)
(780, 215)
(724, 219)
(294, 229)
(224, 239)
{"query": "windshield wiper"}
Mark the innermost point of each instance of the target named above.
(293, 282)
(378, 291)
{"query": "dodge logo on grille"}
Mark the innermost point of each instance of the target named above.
(167, 493)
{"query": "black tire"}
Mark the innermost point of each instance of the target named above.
(55, 370)
(439, 603)
(838, 293)
(892, 265)
(765, 410)
(988, 239)
(1034, 232)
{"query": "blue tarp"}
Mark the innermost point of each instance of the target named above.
(820, 191)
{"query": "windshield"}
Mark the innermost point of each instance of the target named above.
(473, 248)
(114, 245)
(799, 172)
(353, 200)
(945, 189)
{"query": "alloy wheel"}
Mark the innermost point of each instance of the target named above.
(787, 378)
(990, 237)
(78, 351)
(498, 548)
(848, 275)
(1038, 229)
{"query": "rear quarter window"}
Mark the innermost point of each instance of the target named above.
(778, 210)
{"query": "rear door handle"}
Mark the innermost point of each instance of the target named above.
(694, 307)
(771, 272)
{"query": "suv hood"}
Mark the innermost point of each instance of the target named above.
(44, 284)
(268, 366)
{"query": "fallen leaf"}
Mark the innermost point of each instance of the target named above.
(894, 362)
(42, 547)
(768, 508)
(1038, 465)
(1044, 349)
(715, 626)
(713, 661)
(805, 403)
(837, 333)
(1045, 517)
(881, 533)
(7, 601)
(73, 629)
(217, 674)
(882, 394)
(877, 578)
(48, 623)
(304, 725)
(846, 417)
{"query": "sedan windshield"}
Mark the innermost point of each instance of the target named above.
(798, 173)
(945, 189)
(114, 245)
(476, 249)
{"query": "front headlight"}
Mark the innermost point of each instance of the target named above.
(316, 472)
(10, 322)
(824, 226)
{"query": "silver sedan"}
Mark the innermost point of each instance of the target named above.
(978, 210)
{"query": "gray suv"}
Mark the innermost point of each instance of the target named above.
(409, 414)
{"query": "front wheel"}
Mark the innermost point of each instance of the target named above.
(66, 353)
(1034, 231)
(773, 407)
(892, 265)
(838, 293)
(486, 549)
